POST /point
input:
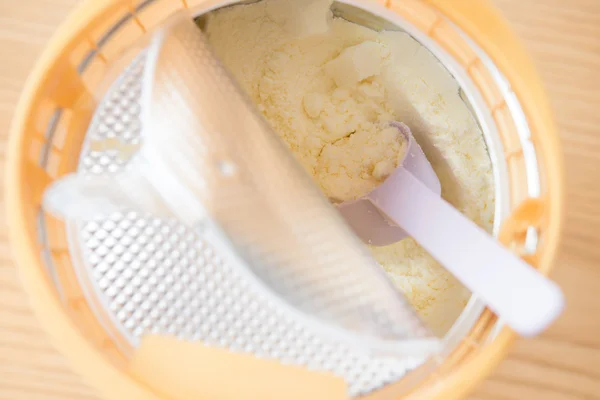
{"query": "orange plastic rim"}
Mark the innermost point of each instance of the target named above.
(55, 83)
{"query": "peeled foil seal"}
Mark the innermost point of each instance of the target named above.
(209, 160)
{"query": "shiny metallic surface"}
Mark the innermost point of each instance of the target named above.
(153, 275)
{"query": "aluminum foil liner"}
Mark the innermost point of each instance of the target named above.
(211, 231)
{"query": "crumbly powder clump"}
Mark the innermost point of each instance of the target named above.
(330, 88)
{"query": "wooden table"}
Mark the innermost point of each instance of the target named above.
(562, 364)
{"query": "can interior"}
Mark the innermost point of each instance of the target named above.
(91, 244)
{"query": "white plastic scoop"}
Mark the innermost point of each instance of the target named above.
(408, 203)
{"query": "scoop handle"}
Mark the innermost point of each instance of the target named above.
(515, 291)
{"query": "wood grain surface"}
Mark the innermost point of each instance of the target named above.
(564, 363)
